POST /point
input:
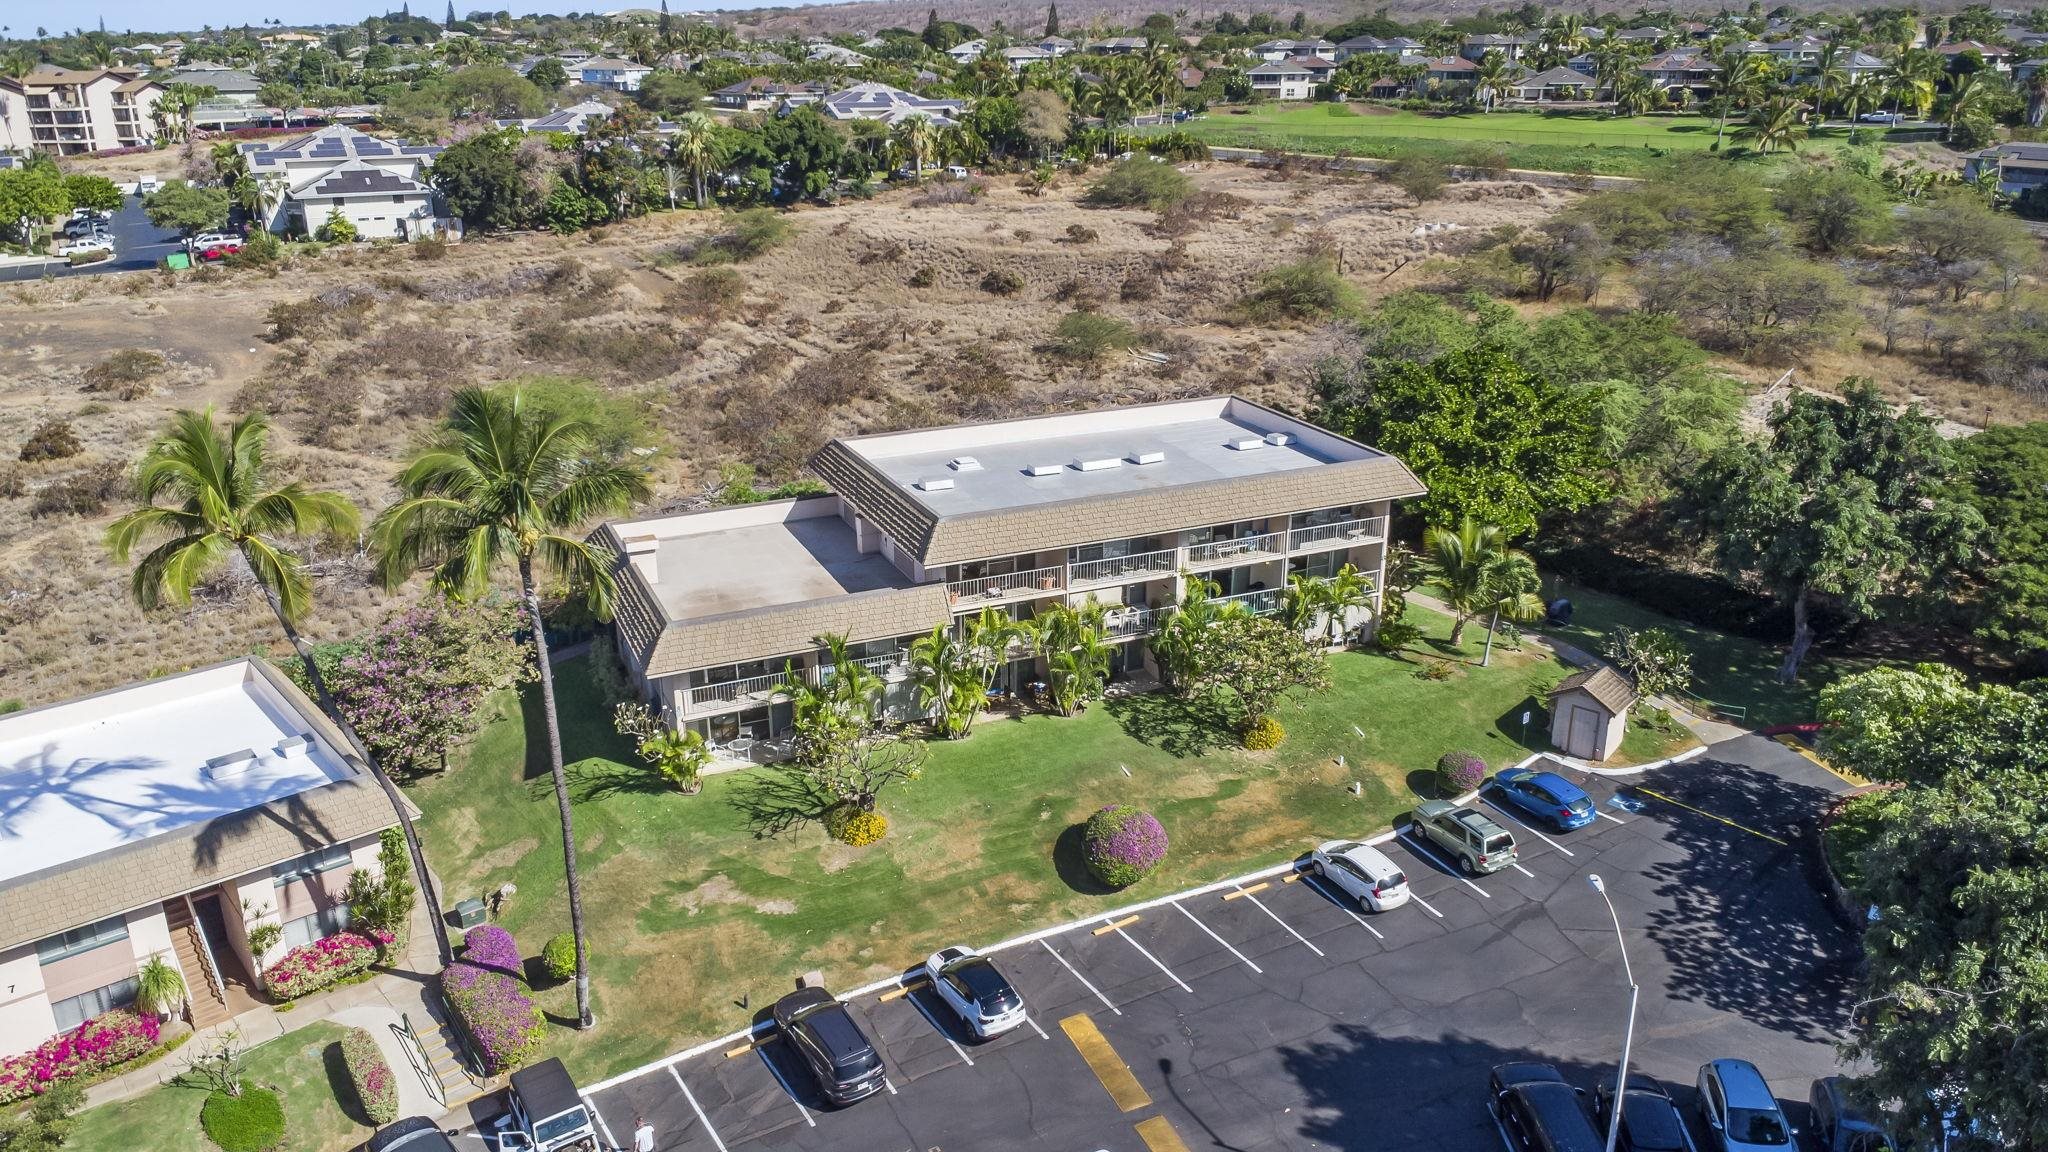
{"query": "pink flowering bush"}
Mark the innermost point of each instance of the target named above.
(376, 1088)
(1123, 844)
(99, 1043)
(489, 946)
(503, 1024)
(1462, 771)
(311, 967)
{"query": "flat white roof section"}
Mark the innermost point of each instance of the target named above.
(95, 774)
(759, 556)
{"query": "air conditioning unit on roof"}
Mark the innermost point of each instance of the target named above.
(1153, 457)
(1248, 444)
(1098, 464)
(1045, 469)
(935, 484)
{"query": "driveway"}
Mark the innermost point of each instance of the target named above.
(138, 246)
(1262, 1014)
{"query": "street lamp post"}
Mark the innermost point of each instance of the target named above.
(1634, 992)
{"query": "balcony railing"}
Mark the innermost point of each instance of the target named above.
(1115, 568)
(1125, 623)
(1231, 551)
(1008, 585)
(1340, 534)
(752, 690)
(887, 666)
(1263, 602)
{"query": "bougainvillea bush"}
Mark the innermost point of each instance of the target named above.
(310, 967)
(503, 1024)
(376, 1088)
(417, 684)
(489, 946)
(99, 1043)
(1462, 771)
(1123, 844)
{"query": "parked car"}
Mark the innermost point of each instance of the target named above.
(1361, 872)
(413, 1134)
(1478, 844)
(546, 1112)
(1882, 118)
(973, 987)
(1649, 1119)
(1547, 796)
(956, 171)
(210, 239)
(1537, 1111)
(1837, 1124)
(824, 1035)
(1740, 1113)
(218, 251)
(147, 184)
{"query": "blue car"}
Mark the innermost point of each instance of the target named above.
(1547, 796)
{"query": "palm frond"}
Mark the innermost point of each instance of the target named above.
(143, 523)
(283, 573)
(595, 489)
(171, 570)
(586, 565)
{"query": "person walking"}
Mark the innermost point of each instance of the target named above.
(643, 1135)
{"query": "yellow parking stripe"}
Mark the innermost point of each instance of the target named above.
(1123, 1088)
(899, 993)
(1711, 816)
(1126, 922)
(1159, 1136)
(1261, 886)
(1799, 746)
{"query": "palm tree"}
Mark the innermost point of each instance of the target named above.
(1633, 94)
(1077, 653)
(1966, 97)
(852, 689)
(1470, 566)
(1828, 69)
(1490, 78)
(947, 681)
(1739, 79)
(1776, 123)
(1912, 77)
(917, 133)
(697, 147)
(1863, 94)
(1343, 593)
(507, 480)
(991, 634)
(2037, 97)
(219, 508)
(1305, 597)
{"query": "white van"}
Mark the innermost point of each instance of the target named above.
(1361, 872)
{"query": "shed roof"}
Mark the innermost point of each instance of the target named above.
(1611, 689)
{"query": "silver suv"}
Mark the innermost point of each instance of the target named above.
(1478, 844)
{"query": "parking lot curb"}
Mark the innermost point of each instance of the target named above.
(1631, 770)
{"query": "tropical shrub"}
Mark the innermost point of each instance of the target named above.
(159, 988)
(1088, 336)
(865, 828)
(1123, 843)
(489, 946)
(558, 956)
(1262, 733)
(1139, 182)
(1461, 771)
(375, 1086)
(418, 683)
(98, 1044)
(338, 229)
(503, 1024)
(250, 1122)
(311, 967)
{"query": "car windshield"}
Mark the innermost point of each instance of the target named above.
(1756, 1126)
(1393, 880)
(556, 1127)
(1499, 843)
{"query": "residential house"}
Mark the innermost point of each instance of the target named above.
(1799, 54)
(1024, 56)
(877, 101)
(833, 54)
(1190, 77)
(165, 820)
(2023, 72)
(1997, 59)
(1649, 35)
(71, 111)
(573, 119)
(1400, 48)
(613, 73)
(1056, 45)
(2021, 167)
(377, 185)
(922, 530)
(1118, 46)
(1856, 64)
(1294, 79)
(1554, 84)
(232, 87)
(759, 93)
(1447, 71)
(967, 51)
(1512, 47)
(1276, 51)
(1679, 68)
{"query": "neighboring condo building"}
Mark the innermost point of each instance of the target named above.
(70, 111)
(377, 185)
(167, 819)
(924, 529)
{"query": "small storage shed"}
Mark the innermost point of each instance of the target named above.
(1589, 713)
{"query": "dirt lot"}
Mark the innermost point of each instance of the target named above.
(875, 315)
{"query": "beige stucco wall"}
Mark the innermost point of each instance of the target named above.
(1610, 728)
(256, 899)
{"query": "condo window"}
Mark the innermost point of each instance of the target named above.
(76, 1010)
(311, 864)
(85, 939)
(317, 926)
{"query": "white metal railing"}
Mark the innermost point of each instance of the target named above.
(1341, 534)
(1007, 585)
(1124, 623)
(1224, 551)
(885, 665)
(753, 689)
(1263, 602)
(1111, 568)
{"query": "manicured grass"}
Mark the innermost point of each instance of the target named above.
(688, 914)
(304, 1066)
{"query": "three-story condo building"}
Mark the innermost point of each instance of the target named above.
(925, 529)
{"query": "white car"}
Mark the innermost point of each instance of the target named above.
(972, 987)
(213, 239)
(956, 172)
(1361, 872)
(1882, 118)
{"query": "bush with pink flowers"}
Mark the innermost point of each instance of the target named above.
(1123, 844)
(376, 1088)
(1462, 771)
(489, 946)
(502, 1023)
(310, 967)
(94, 1046)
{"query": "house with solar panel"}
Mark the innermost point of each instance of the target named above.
(877, 101)
(378, 185)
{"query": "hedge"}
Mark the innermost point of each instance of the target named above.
(376, 1088)
(1123, 844)
(1703, 600)
(310, 967)
(502, 1023)
(1462, 771)
(489, 946)
(559, 956)
(251, 1122)
(94, 1046)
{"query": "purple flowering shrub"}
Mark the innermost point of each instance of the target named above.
(99, 1043)
(489, 946)
(1462, 771)
(1123, 844)
(311, 967)
(375, 1087)
(503, 1024)
(417, 685)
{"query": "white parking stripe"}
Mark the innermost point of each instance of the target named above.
(1277, 920)
(937, 1027)
(787, 1090)
(1524, 825)
(695, 1107)
(1316, 884)
(1082, 979)
(1455, 870)
(1154, 959)
(1220, 940)
(1523, 871)
(1036, 1028)
(592, 1105)
(1427, 906)
(889, 1084)
(1605, 816)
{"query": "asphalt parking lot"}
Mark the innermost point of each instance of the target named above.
(138, 245)
(1267, 1016)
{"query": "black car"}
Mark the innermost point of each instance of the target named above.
(1538, 1112)
(839, 1054)
(1649, 1120)
(417, 1134)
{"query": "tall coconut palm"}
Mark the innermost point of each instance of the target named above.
(1633, 94)
(1739, 78)
(1490, 78)
(503, 481)
(991, 634)
(217, 506)
(1863, 94)
(697, 147)
(1304, 599)
(1911, 78)
(1774, 124)
(1469, 565)
(1966, 97)
(948, 682)
(917, 133)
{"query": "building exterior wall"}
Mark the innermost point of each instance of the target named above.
(1606, 728)
(30, 989)
(74, 118)
(257, 898)
(375, 218)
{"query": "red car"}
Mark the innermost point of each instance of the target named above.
(220, 251)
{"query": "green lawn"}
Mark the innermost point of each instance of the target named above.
(688, 913)
(304, 1066)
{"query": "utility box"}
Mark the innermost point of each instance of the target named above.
(469, 913)
(178, 260)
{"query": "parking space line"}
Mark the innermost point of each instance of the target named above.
(1605, 816)
(1220, 940)
(1430, 853)
(694, 1107)
(889, 1084)
(1154, 959)
(599, 1116)
(1119, 926)
(1159, 1136)
(1426, 905)
(936, 1027)
(1280, 922)
(1035, 1028)
(1109, 1068)
(1082, 979)
(786, 1089)
(1523, 871)
(1711, 816)
(1524, 825)
(1318, 886)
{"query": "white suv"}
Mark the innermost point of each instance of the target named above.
(972, 987)
(1361, 872)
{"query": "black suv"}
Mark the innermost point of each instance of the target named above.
(1538, 1112)
(839, 1054)
(1649, 1120)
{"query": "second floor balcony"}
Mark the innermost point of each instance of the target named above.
(1338, 534)
(750, 690)
(999, 587)
(1118, 569)
(1237, 550)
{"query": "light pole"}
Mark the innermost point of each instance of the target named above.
(1634, 992)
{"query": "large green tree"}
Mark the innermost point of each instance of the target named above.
(186, 209)
(483, 182)
(1847, 500)
(2004, 475)
(508, 481)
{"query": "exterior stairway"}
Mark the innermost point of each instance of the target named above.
(201, 984)
(438, 1045)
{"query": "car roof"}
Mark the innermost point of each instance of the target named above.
(1369, 858)
(1564, 1122)
(1847, 1114)
(1477, 821)
(1433, 807)
(1651, 1121)
(837, 1034)
(546, 1089)
(1562, 788)
(1526, 1072)
(1743, 1085)
(414, 1134)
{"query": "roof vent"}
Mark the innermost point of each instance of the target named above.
(1248, 444)
(1098, 464)
(964, 464)
(295, 747)
(1146, 457)
(936, 484)
(1044, 470)
(232, 764)
(1279, 439)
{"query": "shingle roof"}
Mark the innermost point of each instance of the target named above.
(1604, 684)
(1558, 78)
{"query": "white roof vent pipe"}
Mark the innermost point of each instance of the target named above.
(1146, 457)
(936, 484)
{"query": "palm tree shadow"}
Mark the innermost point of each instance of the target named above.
(1179, 727)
